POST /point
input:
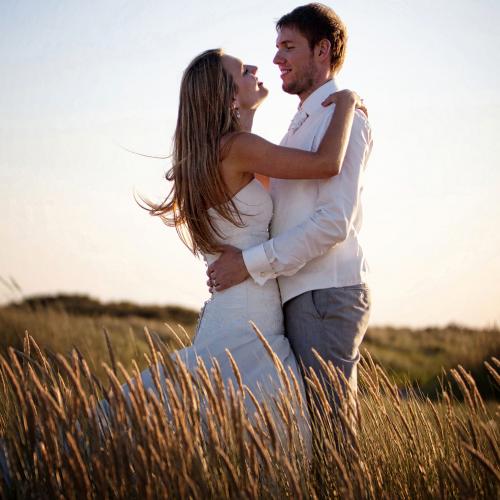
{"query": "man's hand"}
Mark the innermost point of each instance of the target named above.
(228, 270)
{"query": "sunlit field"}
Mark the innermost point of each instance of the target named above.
(425, 424)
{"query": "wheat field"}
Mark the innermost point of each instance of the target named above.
(160, 447)
(196, 440)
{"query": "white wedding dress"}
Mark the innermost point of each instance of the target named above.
(224, 320)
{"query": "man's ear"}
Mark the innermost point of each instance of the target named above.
(322, 49)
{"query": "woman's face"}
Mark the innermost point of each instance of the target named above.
(250, 92)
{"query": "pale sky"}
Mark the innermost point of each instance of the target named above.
(81, 81)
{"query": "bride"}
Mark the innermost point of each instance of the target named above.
(219, 197)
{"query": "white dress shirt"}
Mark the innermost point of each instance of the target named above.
(316, 223)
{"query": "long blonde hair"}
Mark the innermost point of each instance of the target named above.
(206, 113)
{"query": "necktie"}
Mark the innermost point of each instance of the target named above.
(299, 118)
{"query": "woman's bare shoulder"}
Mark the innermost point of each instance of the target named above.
(238, 143)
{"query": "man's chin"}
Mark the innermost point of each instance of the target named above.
(289, 89)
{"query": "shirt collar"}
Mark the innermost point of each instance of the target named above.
(313, 102)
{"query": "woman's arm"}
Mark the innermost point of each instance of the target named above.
(251, 153)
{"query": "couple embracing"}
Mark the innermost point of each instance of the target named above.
(304, 285)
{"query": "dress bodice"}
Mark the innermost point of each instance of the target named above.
(255, 207)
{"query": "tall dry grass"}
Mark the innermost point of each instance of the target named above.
(196, 440)
(59, 331)
(410, 357)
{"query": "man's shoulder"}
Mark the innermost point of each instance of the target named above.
(325, 113)
(361, 119)
(361, 126)
(320, 120)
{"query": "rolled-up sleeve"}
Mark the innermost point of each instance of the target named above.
(330, 224)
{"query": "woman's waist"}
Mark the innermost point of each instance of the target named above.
(247, 290)
(241, 243)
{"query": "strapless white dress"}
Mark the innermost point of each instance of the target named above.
(224, 320)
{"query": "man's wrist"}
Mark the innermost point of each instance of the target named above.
(242, 263)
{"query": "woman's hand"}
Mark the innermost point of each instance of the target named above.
(349, 96)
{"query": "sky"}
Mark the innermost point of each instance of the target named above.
(84, 83)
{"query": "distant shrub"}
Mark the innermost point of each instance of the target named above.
(88, 306)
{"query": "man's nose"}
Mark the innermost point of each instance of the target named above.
(278, 59)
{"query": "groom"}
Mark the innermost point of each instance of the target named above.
(314, 251)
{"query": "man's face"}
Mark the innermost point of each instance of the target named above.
(295, 60)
